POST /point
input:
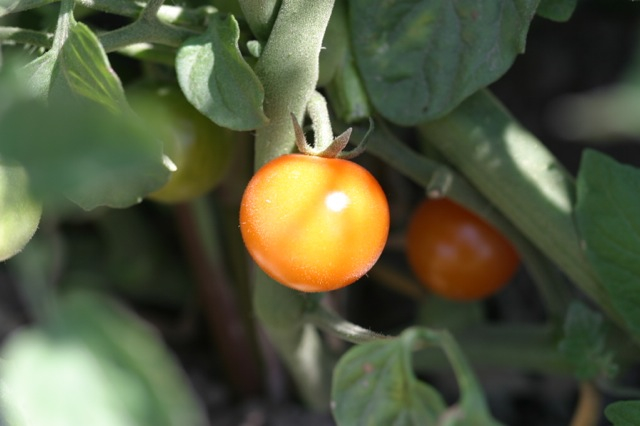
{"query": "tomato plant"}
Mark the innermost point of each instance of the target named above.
(435, 90)
(456, 254)
(312, 223)
(199, 149)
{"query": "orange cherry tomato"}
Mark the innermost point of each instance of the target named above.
(312, 223)
(456, 254)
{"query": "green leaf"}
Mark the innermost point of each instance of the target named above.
(421, 58)
(584, 342)
(78, 70)
(216, 79)
(39, 73)
(557, 10)
(82, 73)
(92, 157)
(608, 219)
(87, 144)
(373, 385)
(96, 364)
(623, 413)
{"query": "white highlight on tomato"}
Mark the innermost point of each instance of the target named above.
(336, 201)
(168, 163)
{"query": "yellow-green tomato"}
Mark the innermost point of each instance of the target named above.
(198, 150)
(19, 210)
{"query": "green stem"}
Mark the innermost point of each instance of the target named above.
(147, 29)
(65, 20)
(151, 9)
(153, 26)
(333, 323)
(169, 14)
(260, 15)
(319, 115)
(472, 400)
(281, 312)
(519, 347)
(25, 36)
(438, 179)
(175, 15)
(288, 70)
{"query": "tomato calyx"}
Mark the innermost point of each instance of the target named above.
(334, 148)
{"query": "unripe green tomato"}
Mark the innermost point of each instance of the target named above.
(19, 211)
(199, 149)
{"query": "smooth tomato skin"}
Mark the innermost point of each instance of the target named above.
(456, 254)
(200, 149)
(314, 224)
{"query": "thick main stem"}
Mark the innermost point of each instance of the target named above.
(288, 70)
(65, 20)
